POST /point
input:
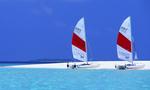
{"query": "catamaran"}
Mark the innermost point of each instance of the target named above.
(125, 49)
(79, 45)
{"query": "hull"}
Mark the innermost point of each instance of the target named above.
(91, 65)
(136, 66)
(88, 65)
(130, 66)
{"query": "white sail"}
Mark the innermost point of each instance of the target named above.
(124, 41)
(135, 56)
(79, 49)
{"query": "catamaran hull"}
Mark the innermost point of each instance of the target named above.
(137, 66)
(89, 66)
(133, 67)
(86, 66)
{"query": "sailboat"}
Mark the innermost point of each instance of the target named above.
(79, 45)
(125, 49)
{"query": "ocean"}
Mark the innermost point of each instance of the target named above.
(68, 79)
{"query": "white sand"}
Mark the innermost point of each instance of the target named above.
(101, 65)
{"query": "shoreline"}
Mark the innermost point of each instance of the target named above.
(100, 65)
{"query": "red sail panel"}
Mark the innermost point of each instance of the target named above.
(124, 42)
(78, 42)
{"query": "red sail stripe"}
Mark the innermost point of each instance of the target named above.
(78, 42)
(124, 42)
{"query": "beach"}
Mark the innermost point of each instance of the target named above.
(96, 64)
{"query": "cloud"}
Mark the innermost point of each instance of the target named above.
(43, 8)
(48, 10)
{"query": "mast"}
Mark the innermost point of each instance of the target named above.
(132, 49)
(86, 43)
(132, 44)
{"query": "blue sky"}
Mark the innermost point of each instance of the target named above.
(37, 29)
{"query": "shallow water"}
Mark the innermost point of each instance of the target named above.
(67, 79)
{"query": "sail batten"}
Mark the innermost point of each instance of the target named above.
(79, 49)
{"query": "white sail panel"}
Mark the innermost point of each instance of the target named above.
(125, 28)
(124, 54)
(79, 49)
(79, 54)
(80, 29)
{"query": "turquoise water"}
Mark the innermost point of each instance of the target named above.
(53, 79)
